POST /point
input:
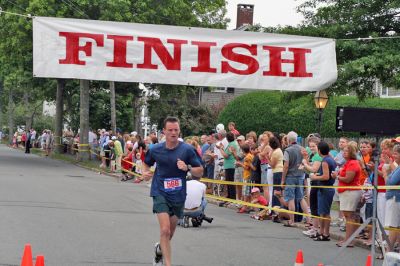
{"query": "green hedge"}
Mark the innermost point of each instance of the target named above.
(263, 110)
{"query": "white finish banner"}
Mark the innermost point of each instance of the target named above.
(129, 52)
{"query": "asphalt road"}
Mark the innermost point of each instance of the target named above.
(78, 217)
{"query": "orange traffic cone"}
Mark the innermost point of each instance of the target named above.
(369, 261)
(320, 264)
(299, 258)
(39, 260)
(27, 257)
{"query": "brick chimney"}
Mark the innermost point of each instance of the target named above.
(244, 15)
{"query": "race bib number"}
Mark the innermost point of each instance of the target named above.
(172, 184)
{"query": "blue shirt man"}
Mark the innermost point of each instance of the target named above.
(174, 159)
(168, 180)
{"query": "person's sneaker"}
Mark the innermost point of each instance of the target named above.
(137, 181)
(256, 217)
(396, 247)
(316, 235)
(335, 222)
(310, 232)
(186, 221)
(158, 258)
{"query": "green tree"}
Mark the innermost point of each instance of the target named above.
(16, 42)
(361, 62)
(178, 101)
(260, 111)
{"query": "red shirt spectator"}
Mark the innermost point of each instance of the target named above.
(354, 166)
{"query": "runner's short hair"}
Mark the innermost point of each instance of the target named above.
(170, 119)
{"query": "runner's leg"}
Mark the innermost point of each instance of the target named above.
(173, 221)
(165, 236)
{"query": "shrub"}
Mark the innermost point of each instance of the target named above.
(265, 110)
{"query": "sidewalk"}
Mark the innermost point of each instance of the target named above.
(335, 232)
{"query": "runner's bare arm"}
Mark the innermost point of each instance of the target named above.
(147, 174)
(196, 171)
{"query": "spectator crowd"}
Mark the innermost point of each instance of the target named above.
(273, 170)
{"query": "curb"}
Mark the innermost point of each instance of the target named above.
(74, 163)
(334, 236)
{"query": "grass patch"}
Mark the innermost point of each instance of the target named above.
(93, 164)
(69, 158)
(63, 157)
(37, 151)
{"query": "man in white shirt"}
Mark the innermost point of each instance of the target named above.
(195, 203)
(219, 159)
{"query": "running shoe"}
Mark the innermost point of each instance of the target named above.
(186, 221)
(158, 258)
(310, 232)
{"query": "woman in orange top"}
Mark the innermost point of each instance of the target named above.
(349, 198)
(365, 160)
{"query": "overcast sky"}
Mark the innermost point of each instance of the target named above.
(268, 12)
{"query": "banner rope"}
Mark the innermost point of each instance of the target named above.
(15, 14)
(248, 204)
(224, 182)
(80, 11)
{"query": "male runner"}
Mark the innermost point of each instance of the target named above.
(168, 189)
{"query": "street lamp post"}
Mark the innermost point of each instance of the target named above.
(320, 100)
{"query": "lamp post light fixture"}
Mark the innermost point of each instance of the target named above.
(320, 100)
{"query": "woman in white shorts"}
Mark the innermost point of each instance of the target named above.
(349, 198)
(266, 173)
(392, 213)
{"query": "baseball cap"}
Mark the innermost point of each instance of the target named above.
(133, 133)
(397, 140)
(241, 137)
(113, 138)
(255, 189)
